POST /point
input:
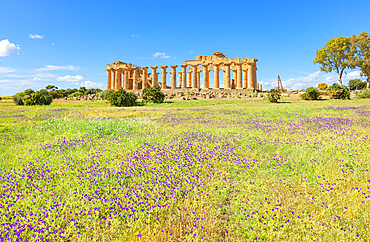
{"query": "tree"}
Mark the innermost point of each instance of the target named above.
(322, 86)
(51, 87)
(361, 50)
(336, 56)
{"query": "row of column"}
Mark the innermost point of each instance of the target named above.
(243, 81)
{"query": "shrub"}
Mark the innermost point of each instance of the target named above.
(363, 94)
(311, 94)
(273, 95)
(153, 95)
(121, 98)
(41, 97)
(338, 92)
(322, 86)
(357, 83)
(104, 95)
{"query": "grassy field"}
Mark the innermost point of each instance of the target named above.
(200, 170)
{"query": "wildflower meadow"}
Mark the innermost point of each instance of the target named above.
(198, 170)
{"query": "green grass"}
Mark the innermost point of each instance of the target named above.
(225, 170)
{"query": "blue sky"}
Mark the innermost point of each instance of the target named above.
(68, 43)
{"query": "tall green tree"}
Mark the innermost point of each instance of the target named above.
(336, 56)
(361, 50)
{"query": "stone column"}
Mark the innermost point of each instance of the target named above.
(189, 78)
(255, 76)
(144, 78)
(205, 77)
(239, 81)
(135, 83)
(217, 75)
(173, 77)
(126, 79)
(154, 75)
(198, 78)
(235, 75)
(164, 72)
(245, 79)
(109, 79)
(250, 76)
(195, 76)
(260, 87)
(183, 76)
(180, 79)
(119, 79)
(227, 76)
(114, 80)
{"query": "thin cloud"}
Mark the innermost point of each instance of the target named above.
(53, 68)
(6, 48)
(4, 70)
(312, 80)
(135, 35)
(161, 55)
(35, 36)
(80, 81)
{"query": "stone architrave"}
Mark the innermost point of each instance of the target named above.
(250, 76)
(114, 80)
(164, 72)
(216, 76)
(245, 79)
(109, 79)
(227, 76)
(154, 76)
(135, 79)
(144, 78)
(205, 77)
(195, 75)
(189, 78)
(183, 76)
(173, 77)
(239, 81)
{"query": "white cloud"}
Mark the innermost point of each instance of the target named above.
(312, 80)
(161, 55)
(35, 36)
(37, 79)
(135, 35)
(4, 70)
(6, 48)
(52, 68)
(80, 81)
(52, 43)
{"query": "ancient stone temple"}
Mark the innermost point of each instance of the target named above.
(132, 77)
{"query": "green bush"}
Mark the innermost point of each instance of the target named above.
(338, 92)
(104, 95)
(357, 83)
(41, 97)
(273, 95)
(153, 95)
(121, 98)
(311, 94)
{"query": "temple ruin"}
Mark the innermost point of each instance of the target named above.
(132, 77)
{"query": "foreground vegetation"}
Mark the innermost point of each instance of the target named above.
(212, 170)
